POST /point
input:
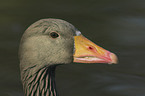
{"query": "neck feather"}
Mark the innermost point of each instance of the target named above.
(42, 83)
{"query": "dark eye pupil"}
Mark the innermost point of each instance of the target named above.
(54, 35)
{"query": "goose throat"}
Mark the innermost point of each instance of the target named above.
(42, 83)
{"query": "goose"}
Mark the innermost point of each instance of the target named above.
(48, 43)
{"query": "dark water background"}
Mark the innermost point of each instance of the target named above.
(116, 25)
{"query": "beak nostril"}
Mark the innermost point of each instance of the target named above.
(91, 48)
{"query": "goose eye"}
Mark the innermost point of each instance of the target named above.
(54, 35)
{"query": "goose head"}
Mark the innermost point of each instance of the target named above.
(50, 42)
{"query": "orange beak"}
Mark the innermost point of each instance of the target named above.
(88, 52)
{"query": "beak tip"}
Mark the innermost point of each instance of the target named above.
(113, 58)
